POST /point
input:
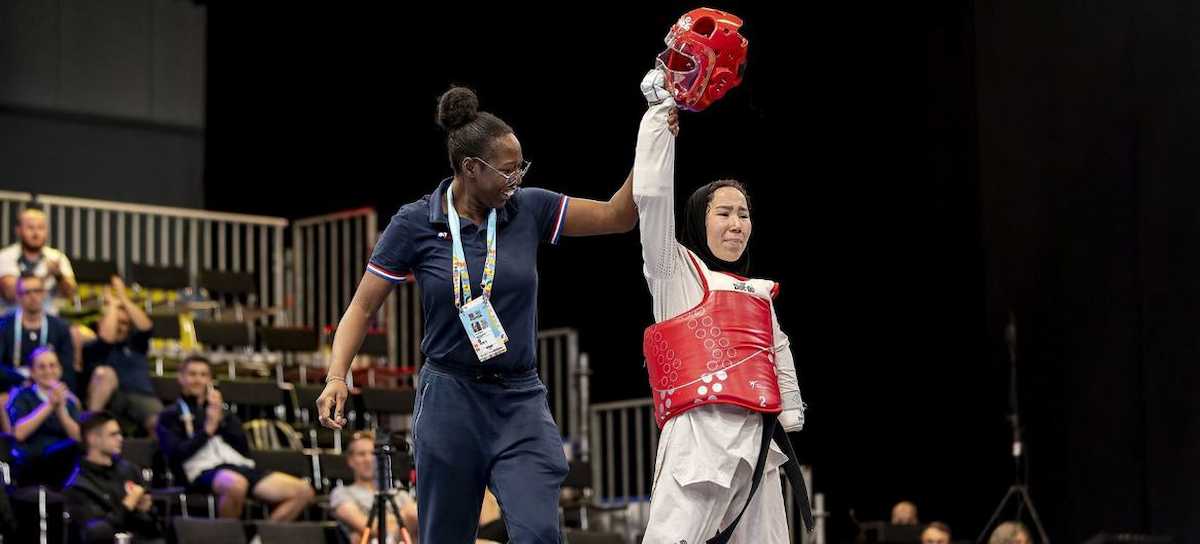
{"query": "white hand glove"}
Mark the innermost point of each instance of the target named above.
(792, 420)
(654, 87)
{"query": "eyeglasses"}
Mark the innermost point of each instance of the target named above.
(511, 179)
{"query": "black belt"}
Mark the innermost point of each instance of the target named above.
(479, 374)
(772, 429)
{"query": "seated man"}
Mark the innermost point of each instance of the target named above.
(936, 533)
(904, 513)
(1010, 532)
(351, 504)
(30, 327)
(32, 256)
(207, 448)
(117, 363)
(107, 495)
(44, 419)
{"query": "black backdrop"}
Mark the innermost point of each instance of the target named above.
(917, 171)
(1087, 117)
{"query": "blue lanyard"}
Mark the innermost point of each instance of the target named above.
(459, 277)
(18, 327)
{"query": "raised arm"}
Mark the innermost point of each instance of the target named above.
(654, 181)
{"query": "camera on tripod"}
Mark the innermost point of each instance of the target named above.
(393, 458)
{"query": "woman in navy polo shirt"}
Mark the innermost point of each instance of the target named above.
(481, 417)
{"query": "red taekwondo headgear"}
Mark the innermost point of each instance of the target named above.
(705, 57)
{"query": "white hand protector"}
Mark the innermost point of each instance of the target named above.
(792, 420)
(654, 87)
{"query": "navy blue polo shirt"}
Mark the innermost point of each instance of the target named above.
(51, 431)
(58, 336)
(416, 245)
(127, 358)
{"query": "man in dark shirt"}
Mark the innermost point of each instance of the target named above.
(28, 328)
(116, 360)
(106, 494)
(207, 448)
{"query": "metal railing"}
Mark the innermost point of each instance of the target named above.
(558, 365)
(195, 240)
(624, 446)
(11, 204)
(329, 256)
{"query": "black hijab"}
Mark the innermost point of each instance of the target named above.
(695, 235)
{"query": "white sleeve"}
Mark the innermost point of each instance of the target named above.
(64, 266)
(654, 191)
(785, 370)
(8, 263)
(338, 497)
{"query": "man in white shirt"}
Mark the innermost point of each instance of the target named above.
(31, 256)
(351, 503)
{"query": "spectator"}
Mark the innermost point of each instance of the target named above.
(107, 494)
(117, 362)
(1010, 532)
(351, 504)
(352, 507)
(206, 447)
(936, 533)
(29, 328)
(31, 256)
(904, 513)
(44, 419)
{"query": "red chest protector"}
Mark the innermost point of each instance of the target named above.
(719, 352)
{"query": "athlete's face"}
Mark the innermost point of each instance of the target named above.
(727, 223)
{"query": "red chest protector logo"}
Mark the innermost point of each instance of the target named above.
(720, 352)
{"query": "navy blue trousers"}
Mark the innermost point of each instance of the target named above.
(472, 431)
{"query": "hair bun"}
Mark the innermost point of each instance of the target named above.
(457, 107)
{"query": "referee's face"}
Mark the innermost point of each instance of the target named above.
(506, 157)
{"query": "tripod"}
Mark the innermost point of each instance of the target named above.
(384, 494)
(1018, 490)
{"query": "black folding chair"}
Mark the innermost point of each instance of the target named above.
(219, 335)
(209, 531)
